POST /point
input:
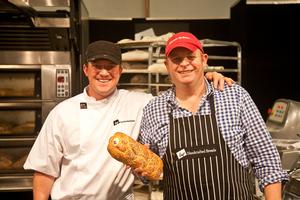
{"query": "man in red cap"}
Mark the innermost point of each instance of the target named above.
(209, 140)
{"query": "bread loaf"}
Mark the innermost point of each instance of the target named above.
(130, 152)
(5, 160)
(19, 163)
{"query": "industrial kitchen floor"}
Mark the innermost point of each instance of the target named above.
(142, 192)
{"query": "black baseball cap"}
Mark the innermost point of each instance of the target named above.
(102, 49)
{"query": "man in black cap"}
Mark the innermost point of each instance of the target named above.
(69, 156)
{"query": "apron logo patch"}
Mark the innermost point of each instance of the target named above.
(202, 151)
(180, 154)
(83, 105)
(197, 151)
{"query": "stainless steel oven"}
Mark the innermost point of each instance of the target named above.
(40, 54)
(32, 83)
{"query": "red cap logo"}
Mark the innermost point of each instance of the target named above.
(183, 39)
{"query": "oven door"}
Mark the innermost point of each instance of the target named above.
(35, 82)
(20, 119)
(23, 118)
(20, 123)
(20, 82)
(13, 153)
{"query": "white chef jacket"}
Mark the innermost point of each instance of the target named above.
(72, 146)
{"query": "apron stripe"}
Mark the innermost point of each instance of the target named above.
(202, 128)
(218, 177)
(183, 178)
(193, 137)
(225, 170)
(212, 129)
(213, 177)
(200, 180)
(205, 130)
(186, 141)
(178, 143)
(195, 176)
(242, 186)
(209, 129)
(232, 178)
(206, 179)
(189, 177)
(227, 174)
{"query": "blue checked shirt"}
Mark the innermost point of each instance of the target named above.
(239, 121)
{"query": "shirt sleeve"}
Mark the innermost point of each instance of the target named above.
(145, 130)
(144, 99)
(144, 137)
(153, 127)
(260, 150)
(46, 153)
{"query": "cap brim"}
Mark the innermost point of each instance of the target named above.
(106, 57)
(188, 46)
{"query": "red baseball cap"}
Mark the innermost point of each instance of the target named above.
(183, 39)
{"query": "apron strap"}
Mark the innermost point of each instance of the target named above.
(211, 103)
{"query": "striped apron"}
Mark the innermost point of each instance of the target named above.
(199, 165)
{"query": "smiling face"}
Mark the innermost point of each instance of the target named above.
(103, 76)
(186, 68)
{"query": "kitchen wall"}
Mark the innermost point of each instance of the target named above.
(115, 30)
(270, 42)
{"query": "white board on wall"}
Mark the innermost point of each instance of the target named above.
(159, 9)
(115, 9)
(190, 9)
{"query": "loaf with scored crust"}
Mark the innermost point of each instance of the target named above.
(132, 153)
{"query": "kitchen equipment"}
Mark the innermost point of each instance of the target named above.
(291, 190)
(39, 67)
(283, 124)
(32, 83)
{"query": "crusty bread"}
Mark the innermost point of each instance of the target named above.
(130, 152)
(20, 162)
(5, 160)
(27, 127)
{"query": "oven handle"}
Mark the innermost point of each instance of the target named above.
(16, 182)
(22, 140)
(17, 142)
(23, 103)
(20, 67)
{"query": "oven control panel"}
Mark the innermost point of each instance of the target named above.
(279, 112)
(62, 83)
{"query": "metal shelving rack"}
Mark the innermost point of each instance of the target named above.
(207, 43)
(132, 46)
(227, 54)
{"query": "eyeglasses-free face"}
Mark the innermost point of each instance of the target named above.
(186, 67)
(100, 66)
(103, 76)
